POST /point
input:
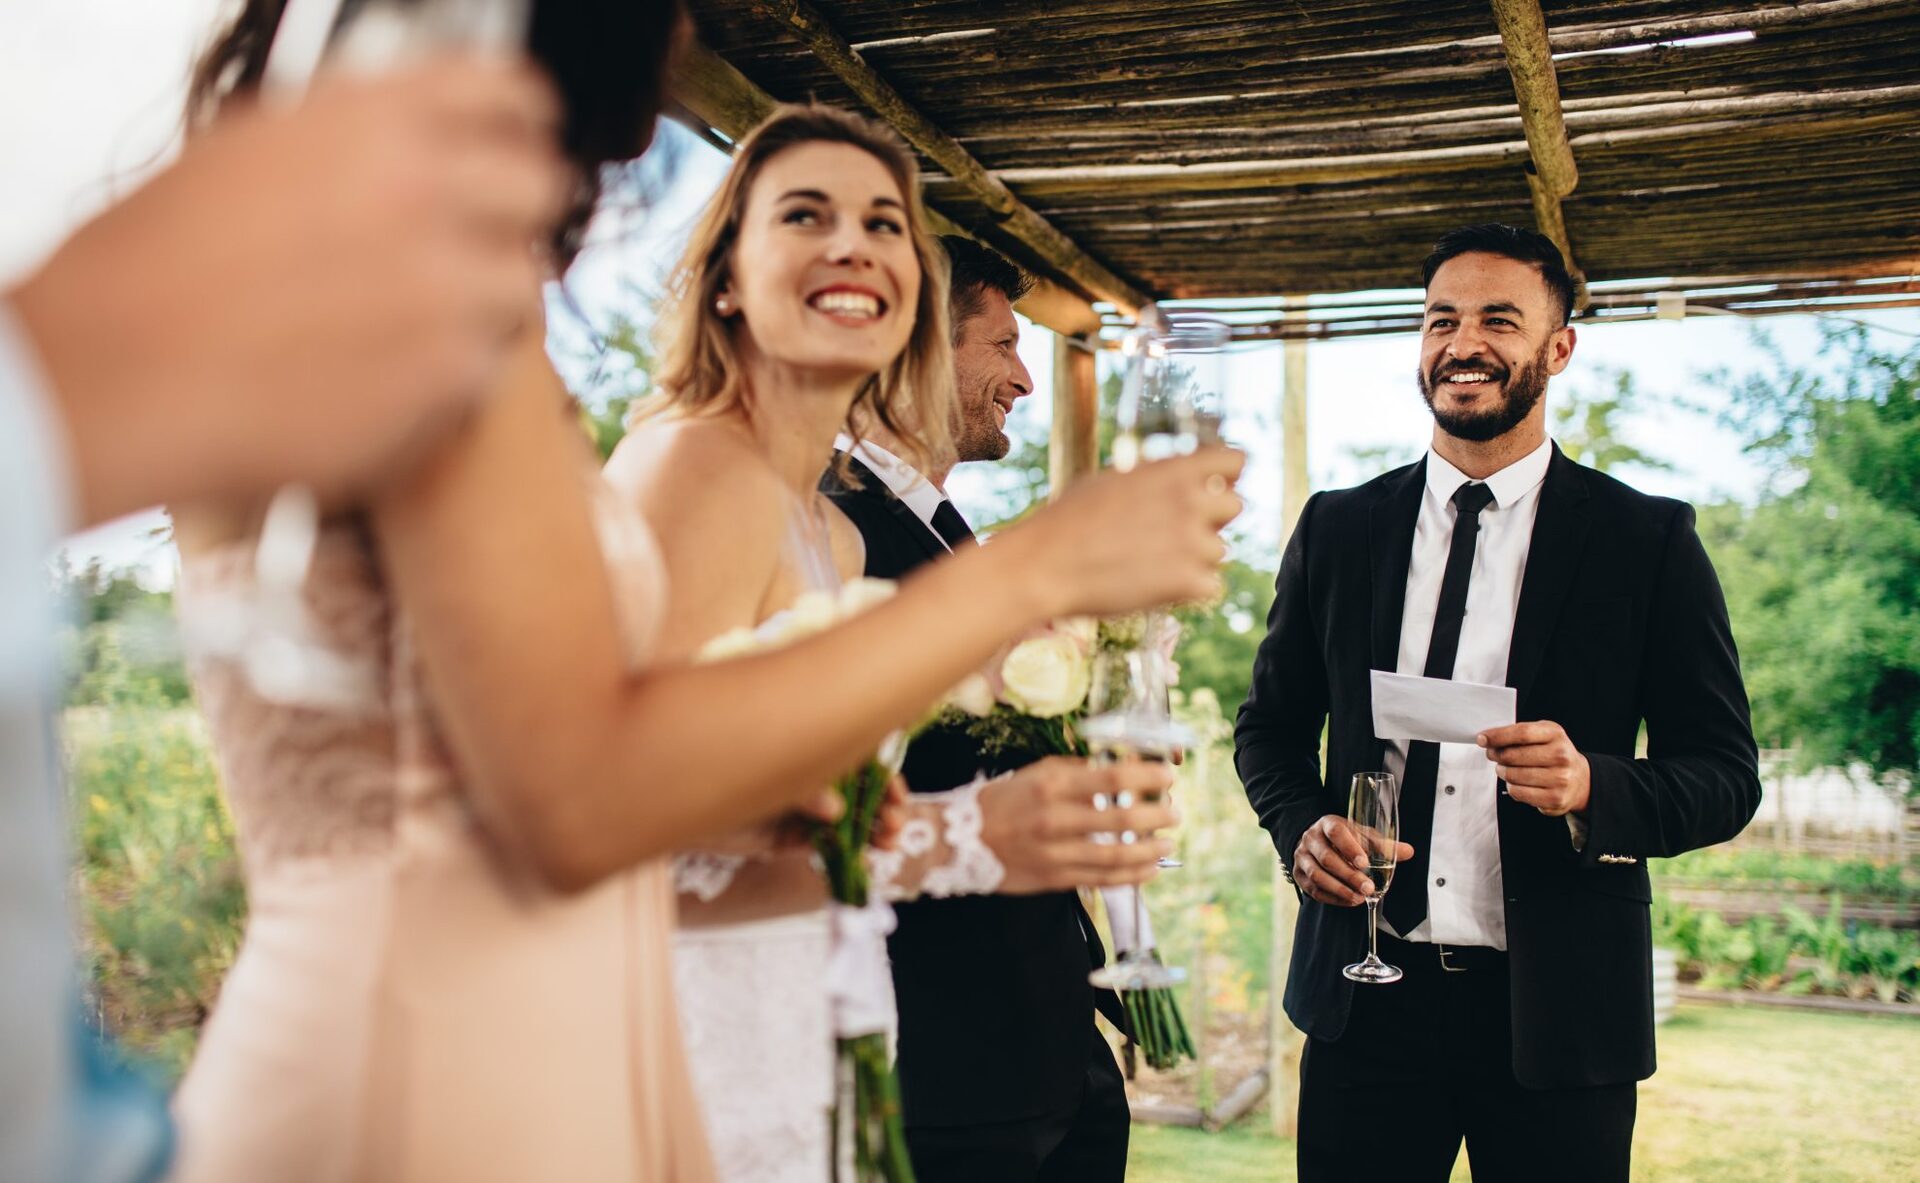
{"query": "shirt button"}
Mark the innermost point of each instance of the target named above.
(1449, 790)
(1440, 882)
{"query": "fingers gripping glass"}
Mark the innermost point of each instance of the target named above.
(1374, 809)
(270, 633)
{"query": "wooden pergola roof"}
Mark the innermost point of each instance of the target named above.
(1755, 155)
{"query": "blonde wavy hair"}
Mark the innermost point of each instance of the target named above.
(700, 371)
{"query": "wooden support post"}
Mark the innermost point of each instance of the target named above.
(1284, 1041)
(1074, 448)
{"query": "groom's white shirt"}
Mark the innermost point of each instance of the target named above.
(915, 491)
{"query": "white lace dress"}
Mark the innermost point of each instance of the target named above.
(762, 1003)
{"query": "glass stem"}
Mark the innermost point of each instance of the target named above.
(1139, 932)
(1373, 928)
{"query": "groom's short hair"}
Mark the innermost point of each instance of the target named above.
(975, 271)
(1512, 242)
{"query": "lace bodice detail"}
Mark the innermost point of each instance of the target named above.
(303, 782)
(306, 781)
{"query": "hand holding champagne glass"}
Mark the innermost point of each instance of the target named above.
(1373, 808)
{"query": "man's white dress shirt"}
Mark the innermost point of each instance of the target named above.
(1465, 904)
(916, 492)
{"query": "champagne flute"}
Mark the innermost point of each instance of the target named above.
(1129, 714)
(1128, 721)
(1373, 807)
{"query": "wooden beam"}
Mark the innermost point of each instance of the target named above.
(1552, 174)
(1012, 215)
(712, 92)
(1073, 450)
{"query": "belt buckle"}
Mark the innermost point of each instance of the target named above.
(1445, 965)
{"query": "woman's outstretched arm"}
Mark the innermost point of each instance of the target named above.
(585, 767)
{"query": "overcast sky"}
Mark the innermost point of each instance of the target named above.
(92, 90)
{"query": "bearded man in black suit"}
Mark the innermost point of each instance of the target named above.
(1003, 1075)
(1519, 911)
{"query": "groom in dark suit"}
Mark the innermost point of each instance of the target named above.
(1002, 1073)
(1520, 912)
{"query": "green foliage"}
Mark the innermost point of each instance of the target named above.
(1861, 879)
(618, 375)
(1823, 576)
(1589, 427)
(1792, 951)
(163, 895)
(1218, 640)
(119, 645)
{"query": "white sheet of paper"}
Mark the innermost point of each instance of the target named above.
(1435, 709)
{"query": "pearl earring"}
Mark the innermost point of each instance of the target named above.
(723, 305)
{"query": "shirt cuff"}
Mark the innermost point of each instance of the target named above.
(1577, 831)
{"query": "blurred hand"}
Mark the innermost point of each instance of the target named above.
(893, 814)
(1330, 864)
(1119, 542)
(1041, 824)
(308, 295)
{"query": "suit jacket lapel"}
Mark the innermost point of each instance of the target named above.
(1553, 559)
(918, 530)
(1390, 525)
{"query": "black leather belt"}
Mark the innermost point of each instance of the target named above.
(1454, 959)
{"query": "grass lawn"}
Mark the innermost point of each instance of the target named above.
(1742, 1096)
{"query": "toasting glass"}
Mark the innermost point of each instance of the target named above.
(1373, 807)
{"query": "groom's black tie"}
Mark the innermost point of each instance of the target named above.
(951, 527)
(1406, 905)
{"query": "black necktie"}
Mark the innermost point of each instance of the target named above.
(1406, 905)
(951, 527)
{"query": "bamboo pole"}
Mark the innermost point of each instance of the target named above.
(1014, 216)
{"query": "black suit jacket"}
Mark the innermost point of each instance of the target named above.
(1620, 620)
(994, 1000)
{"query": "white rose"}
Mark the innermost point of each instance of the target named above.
(811, 612)
(974, 696)
(732, 643)
(858, 595)
(1083, 629)
(1046, 675)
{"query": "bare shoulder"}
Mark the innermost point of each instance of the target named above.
(702, 475)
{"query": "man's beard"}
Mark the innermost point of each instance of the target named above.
(1520, 391)
(980, 437)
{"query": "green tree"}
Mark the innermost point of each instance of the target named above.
(1823, 576)
(618, 372)
(1218, 640)
(1589, 427)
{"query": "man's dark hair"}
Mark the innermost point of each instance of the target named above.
(1512, 242)
(977, 269)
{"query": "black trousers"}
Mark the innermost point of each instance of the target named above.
(1084, 1144)
(1426, 1063)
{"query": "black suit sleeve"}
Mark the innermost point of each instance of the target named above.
(1276, 737)
(1700, 782)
